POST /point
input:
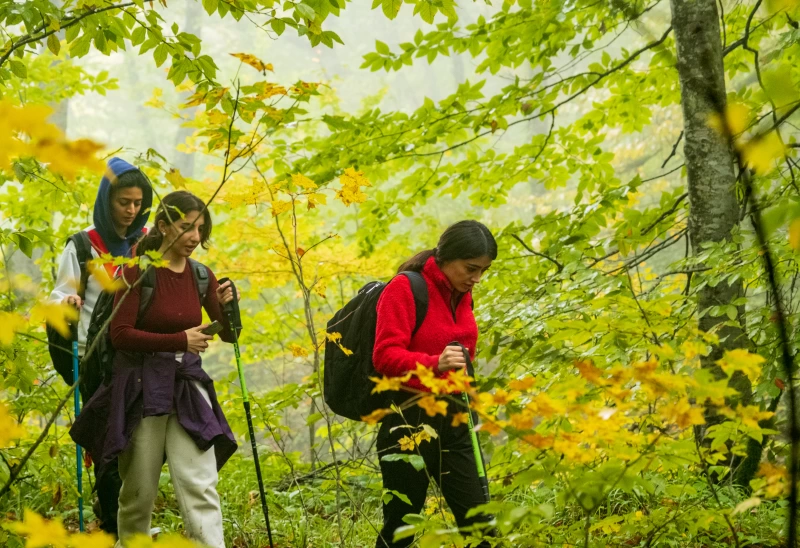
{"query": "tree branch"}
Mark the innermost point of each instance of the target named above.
(559, 266)
(30, 38)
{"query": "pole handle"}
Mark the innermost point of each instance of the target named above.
(231, 309)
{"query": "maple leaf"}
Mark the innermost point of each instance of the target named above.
(459, 419)
(740, 359)
(303, 182)
(174, 176)
(761, 153)
(10, 323)
(107, 283)
(352, 181)
(57, 315)
(383, 384)
(9, 429)
(683, 414)
(376, 416)
(253, 61)
(406, 443)
(39, 532)
(280, 206)
(432, 406)
(522, 384)
(298, 351)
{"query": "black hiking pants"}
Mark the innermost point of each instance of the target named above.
(108, 486)
(449, 461)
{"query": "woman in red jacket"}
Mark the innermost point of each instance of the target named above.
(464, 252)
(160, 403)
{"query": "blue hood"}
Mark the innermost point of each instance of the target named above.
(102, 211)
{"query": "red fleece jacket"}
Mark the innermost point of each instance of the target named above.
(396, 352)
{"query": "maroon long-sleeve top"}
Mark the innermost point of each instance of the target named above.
(174, 308)
(396, 351)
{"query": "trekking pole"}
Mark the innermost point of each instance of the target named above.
(476, 448)
(77, 397)
(235, 323)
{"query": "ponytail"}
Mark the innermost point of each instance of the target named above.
(417, 262)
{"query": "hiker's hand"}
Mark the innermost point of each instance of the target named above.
(225, 293)
(73, 300)
(197, 342)
(451, 358)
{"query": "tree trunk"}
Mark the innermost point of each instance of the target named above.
(714, 207)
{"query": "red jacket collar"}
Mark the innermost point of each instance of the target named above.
(432, 272)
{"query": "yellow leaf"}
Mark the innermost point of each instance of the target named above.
(253, 61)
(746, 505)
(107, 283)
(10, 323)
(9, 429)
(280, 206)
(97, 539)
(155, 101)
(298, 351)
(734, 123)
(57, 315)
(352, 181)
(39, 532)
(383, 384)
(376, 416)
(459, 419)
(174, 176)
(761, 153)
(303, 182)
(794, 235)
(741, 360)
(432, 406)
(522, 384)
(406, 443)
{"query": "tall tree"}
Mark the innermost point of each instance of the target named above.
(715, 212)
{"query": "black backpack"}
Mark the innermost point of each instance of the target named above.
(59, 346)
(346, 384)
(96, 367)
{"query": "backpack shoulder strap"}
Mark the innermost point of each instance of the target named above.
(201, 278)
(146, 290)
(83, 249)
(419, 287)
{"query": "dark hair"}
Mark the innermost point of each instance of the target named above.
(177, 203)
(130, 179)
(463, 240)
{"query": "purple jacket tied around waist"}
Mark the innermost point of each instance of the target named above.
(146, 385)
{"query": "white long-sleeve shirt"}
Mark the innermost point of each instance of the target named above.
(67, 281)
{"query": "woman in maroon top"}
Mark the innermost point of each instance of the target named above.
(464, 252)
(160, 403)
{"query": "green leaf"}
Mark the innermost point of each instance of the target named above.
(306, 11)
(18, 68)
(25, 245)
(391, 7)
(382, 48)
(53, 44)
(210, 6)
(138, 36)
(160, 54)
(278, 26)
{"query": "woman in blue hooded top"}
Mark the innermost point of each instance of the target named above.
(121, 211)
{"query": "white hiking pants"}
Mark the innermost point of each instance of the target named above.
(193, 473)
